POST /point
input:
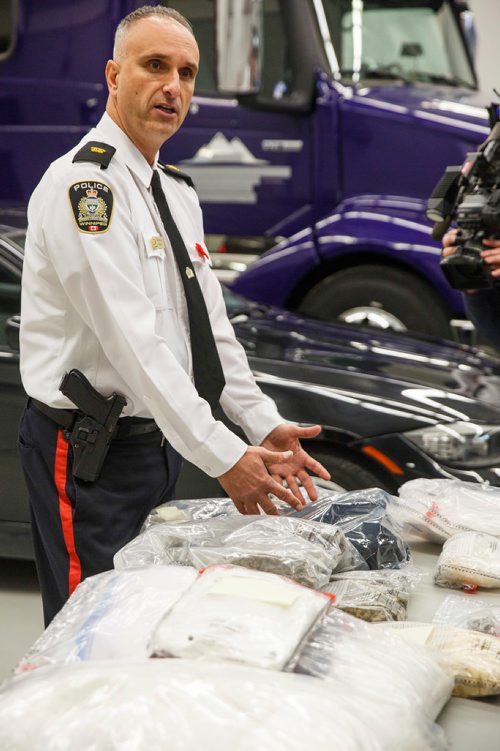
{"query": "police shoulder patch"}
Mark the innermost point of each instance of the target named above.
(95, 151)
(92, 205)
(169, 169)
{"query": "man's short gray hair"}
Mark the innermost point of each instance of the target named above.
(146, 11)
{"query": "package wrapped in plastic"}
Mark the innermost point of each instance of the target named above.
(184, 705)
(305, 551)
(434, 510)
(472, 657)
(375, 595)
(110, 616)
(463, 611)
(366, 518)
(233, 613)
(199, 509)
(468, 561)
(361, 657)
(194, 510)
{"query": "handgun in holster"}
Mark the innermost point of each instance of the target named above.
(94, 426)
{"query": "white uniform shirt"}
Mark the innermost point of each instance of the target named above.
(111, 304)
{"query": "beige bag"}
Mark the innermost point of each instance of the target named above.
(472, 657)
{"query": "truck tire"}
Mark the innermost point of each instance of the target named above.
(379, 296)
(347, 474)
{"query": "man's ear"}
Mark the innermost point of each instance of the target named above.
(112, 72)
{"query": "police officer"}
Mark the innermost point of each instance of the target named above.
(482, 305)
(117, 284)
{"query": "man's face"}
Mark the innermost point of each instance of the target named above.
(152, 84)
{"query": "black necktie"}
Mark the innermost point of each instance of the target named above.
(207, 369)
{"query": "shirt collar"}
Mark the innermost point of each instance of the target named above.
(107, 130)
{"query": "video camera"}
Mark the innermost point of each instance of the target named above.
(470, 195)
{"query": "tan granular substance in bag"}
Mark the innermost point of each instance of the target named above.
(472, 657)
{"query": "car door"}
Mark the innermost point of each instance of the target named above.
(14, 515)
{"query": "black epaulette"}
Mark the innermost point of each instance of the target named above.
(169, 169)
(94, 151)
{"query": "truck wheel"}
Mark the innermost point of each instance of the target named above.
(346, 473)
(378, 296)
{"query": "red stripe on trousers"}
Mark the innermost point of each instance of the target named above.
(66, 512)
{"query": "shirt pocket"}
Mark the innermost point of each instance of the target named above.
(198, 255)
(153, 265)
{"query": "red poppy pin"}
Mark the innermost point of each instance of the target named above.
(201, 251)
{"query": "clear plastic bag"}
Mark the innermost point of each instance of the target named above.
(361, 656)
(366, 518)
(232, 613)
(469, 560)
(184, 705)
(472, 658)
(194, 510)
(434, 510)
(463, 611)
(109, 616)
(305, 551)
(375, 595)
(200, 509)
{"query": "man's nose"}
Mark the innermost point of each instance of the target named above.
(171, 84)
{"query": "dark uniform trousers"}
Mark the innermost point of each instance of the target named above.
(78, 526)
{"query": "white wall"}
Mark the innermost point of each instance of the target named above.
(487, 19)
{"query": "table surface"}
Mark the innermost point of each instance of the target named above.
(469, 724)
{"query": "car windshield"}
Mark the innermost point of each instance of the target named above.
(410, 40)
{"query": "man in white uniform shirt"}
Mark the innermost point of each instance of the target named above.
(106, 292)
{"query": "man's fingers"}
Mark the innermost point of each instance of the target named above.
(309, 431)
(251, 507)
(293, 485)
(449, 238)
(239, 505)
(314, 466)
(286, 495)
(449, 250)
(268, 506)
(274, 457)
(308, 485)
(248, 506)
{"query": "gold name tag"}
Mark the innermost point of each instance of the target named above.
(157, 243)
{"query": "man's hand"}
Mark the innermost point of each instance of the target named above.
(490, 254)
(287, 437)
(449, 247)
(248, 482)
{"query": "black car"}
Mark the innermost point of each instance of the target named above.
(392, 407)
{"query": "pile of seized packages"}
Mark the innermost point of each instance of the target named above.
(288, 632)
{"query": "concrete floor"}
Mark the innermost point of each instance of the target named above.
(21, 619)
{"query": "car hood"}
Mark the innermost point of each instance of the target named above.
(412, 380)
(446, 107)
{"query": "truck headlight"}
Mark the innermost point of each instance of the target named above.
(463, 443)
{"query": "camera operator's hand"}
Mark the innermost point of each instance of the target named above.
(491, 256)
(449, 248)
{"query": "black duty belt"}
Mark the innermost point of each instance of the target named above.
(127, 427)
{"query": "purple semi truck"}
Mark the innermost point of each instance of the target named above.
(318, 130)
